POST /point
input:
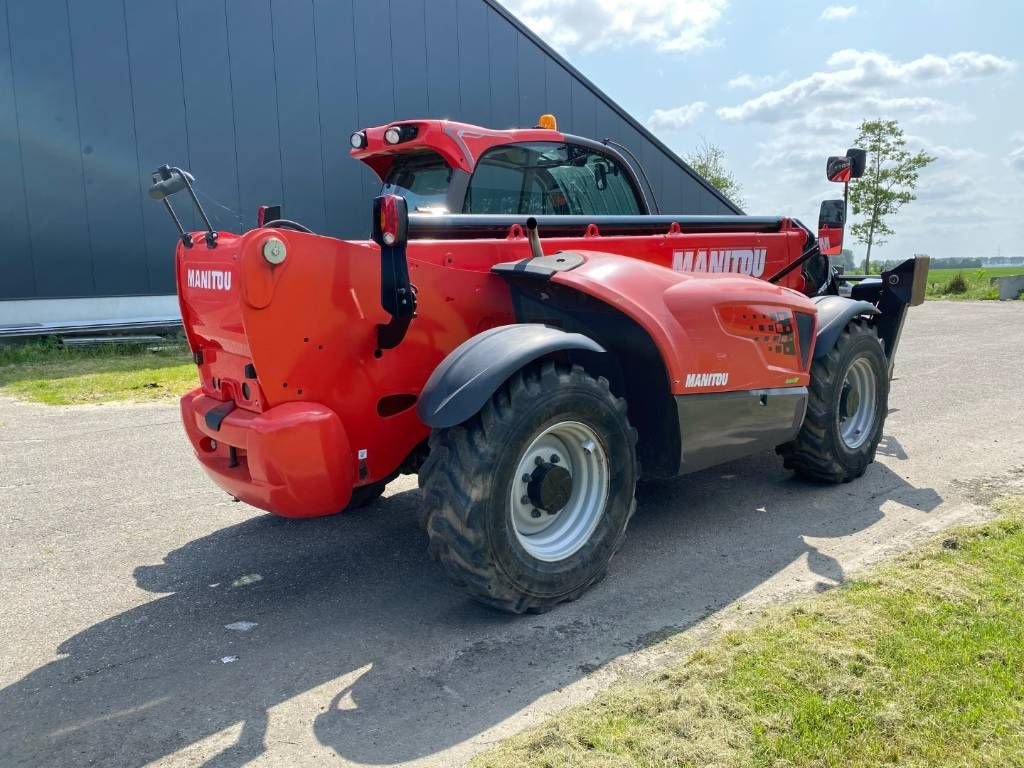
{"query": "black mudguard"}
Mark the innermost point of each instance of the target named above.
(475, 369)
(834, 313)
(891, 294)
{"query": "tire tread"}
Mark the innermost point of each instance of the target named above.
(812, 454)
(454, 497)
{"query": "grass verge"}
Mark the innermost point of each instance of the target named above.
(967, 283)
(918, 663)
(45, 372)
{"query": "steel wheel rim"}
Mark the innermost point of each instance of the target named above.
(857, 400)
(555, 536)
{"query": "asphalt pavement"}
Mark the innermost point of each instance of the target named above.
(122, 567)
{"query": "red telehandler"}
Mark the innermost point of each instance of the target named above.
(531, 336)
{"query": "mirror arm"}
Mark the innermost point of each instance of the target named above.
(186, 238)
(211, 235)
(807, 254)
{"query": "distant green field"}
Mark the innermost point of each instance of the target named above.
(942, 285)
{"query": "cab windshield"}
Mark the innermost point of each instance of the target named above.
(422, 178)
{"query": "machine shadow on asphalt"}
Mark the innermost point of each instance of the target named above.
(401, 665)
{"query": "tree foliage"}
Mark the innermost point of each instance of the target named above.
(709, 161)
(844, 260)
(888, 183)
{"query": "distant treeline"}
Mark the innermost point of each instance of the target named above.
(977, 263)
(991, 261)
(849, 263)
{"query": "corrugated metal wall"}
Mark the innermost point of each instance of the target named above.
(257, 98)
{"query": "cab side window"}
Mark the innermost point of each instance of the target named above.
(422, 178)
(550, 178)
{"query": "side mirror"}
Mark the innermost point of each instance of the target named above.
(831, 225)
(858, 162)
(601, 176)
(839, 169)
(167, 181)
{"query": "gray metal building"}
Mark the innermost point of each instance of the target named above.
(257, 98)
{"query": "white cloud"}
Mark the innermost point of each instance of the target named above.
(948, 198)
(952, 154)
(669, 25)
(1016, 159)
(838, 12)
(753, 82)
(958, 66)
(676, 119)
(919, 109)
(852, 72)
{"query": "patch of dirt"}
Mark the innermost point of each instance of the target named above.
(985, 490)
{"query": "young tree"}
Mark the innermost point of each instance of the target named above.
(709, 161)
(888, 183)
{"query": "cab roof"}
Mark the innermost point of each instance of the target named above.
(460, 144)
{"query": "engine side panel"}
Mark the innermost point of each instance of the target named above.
(715, 332)
(722, 426)
(736, 360)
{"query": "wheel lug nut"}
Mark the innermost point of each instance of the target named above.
(524, 500)
(526, 477)
(554, 458)
(534, 513)
(539, 461)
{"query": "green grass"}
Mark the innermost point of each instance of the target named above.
(45, 372)
(920, 663)
(977, 282)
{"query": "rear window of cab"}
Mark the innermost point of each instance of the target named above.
(550, 178)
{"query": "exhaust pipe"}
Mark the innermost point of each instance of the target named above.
(534, 237)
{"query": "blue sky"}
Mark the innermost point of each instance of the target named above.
(779, 86)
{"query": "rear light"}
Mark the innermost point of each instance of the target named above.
(396, 134)
(358, 140)
(390, 220)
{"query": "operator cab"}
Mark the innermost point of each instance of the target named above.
(443, 167)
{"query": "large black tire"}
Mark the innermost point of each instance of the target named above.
(820, 451)
(473, 468)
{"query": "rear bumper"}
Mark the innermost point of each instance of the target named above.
(293, 460)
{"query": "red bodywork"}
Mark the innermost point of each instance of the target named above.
(325, 412)
(460, 144)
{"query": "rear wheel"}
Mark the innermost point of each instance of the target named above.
(846, 407)
(527, 501)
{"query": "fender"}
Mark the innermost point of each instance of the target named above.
(474, 370)
(834, 312)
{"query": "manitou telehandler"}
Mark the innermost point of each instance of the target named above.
(531, 337)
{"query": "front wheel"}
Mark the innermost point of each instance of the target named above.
(846, 408)
(527, 501)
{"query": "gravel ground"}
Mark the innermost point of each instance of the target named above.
(121, 568)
